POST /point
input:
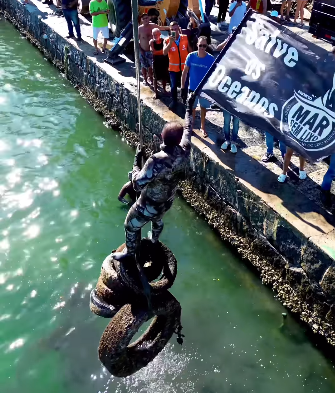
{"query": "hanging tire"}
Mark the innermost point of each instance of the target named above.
(114, 297)
(122, 359)
(100, 307)
(119, 15)
(156, 254)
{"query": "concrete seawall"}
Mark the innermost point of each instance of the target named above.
(293, 249)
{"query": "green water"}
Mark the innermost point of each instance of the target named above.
(60, 172)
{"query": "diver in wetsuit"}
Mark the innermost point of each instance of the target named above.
(157, 182)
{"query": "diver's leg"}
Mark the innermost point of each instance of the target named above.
(132, 225)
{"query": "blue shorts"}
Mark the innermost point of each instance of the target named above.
(202, 101)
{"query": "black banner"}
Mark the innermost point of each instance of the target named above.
(277, 82)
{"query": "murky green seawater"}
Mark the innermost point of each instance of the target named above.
(60, 172)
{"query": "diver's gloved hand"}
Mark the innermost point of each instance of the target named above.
(190, 103)
(139, 155)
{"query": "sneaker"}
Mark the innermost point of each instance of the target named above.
(302, 175)
(79, 39)
(268, 157)
(69, 36)
(233, 148)
(282, 178)
(225, 145)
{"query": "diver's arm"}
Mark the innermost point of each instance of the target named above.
(141, 177)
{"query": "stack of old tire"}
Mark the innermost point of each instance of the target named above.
(119, 295)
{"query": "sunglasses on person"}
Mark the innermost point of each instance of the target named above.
(202, 45)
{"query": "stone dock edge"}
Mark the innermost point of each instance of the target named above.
(301, 273)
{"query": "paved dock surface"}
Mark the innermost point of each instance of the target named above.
(297, 201)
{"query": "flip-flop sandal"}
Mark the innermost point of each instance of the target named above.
(103, 51)
(204, 133)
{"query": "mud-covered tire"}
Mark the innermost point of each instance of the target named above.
(109, 275)
(122, 359)
(100, 307)
(114, 297)
(119, 15)
(130, 277)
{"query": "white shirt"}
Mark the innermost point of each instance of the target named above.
(238, 15)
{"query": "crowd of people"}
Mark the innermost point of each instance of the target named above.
(182, 63)
(174, 61)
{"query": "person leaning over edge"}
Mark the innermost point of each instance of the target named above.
(197, 65)
(177, 48)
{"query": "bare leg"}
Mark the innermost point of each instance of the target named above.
(104, 45)
(288, 9)
(164, 86)
(287, 160)
(203, 118)
(155, 87)
(282, 8)
(95, 42)
(302, 163)
(193, 113)
(302, 11)
(144, 73)
(296, 15)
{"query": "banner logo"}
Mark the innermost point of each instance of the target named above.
(310, 121)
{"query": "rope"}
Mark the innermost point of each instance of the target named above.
(134, 5)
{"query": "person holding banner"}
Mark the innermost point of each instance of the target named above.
(197, 65)
(287, 160)
(269, 140)
(227, 117)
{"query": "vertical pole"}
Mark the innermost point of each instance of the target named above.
(134, 5)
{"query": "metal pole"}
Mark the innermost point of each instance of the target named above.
(134, 5)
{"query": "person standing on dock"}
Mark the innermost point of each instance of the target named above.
(145, 35)
(177, 48)
(99, 10)
(160, 62)
(70, 12)
(197, 65)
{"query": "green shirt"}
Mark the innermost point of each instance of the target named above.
(99, 20)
